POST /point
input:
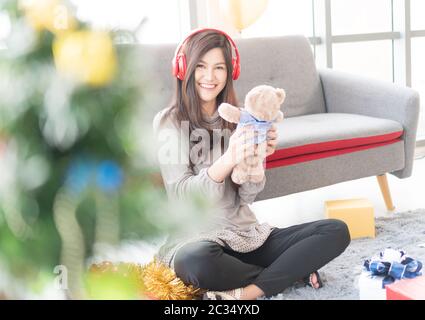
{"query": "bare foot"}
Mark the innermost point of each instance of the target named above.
(314, 281)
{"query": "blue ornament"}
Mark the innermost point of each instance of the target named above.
(79, 175)
(109, 176)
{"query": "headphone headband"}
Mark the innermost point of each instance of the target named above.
(179, 60)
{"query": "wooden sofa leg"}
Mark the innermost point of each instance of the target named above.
(385, 190)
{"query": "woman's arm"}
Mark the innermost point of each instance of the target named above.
(239, 148)
(179, 178)
(221, 169)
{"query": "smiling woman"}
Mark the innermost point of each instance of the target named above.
(230, 254)
(210, 78)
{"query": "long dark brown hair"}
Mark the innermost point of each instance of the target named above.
(186, 103)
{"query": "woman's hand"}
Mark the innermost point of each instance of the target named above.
(271, 140)
(241, 145)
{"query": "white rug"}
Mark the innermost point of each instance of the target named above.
(404, 231)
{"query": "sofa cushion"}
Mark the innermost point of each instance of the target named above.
(315, 136)
(285, 62)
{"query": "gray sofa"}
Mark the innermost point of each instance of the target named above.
(338, 127)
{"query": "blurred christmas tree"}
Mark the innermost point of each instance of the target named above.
(75, 165)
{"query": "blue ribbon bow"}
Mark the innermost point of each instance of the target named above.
(259, 125)
(405, 267)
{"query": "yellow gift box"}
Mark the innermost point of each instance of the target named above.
(358, 214)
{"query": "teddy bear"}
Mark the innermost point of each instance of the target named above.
(261, 109)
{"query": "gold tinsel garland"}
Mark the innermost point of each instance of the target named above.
(156, 280)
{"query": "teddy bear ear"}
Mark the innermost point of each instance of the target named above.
(281, 94)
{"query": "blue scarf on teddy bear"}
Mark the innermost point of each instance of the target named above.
(260, 126)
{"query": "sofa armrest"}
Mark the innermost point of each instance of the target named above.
(346, 93)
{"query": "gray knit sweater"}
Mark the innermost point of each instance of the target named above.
(233, 225)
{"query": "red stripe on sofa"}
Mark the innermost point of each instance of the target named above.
(325, 154)
(331, 145)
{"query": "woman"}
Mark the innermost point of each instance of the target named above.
(235, 257)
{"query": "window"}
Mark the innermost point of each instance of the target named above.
(283, 17)
(361, 16)
(372, 58)
(160, 26)
(417, 8)
(418, 78)
(361, 34)
(418, 13)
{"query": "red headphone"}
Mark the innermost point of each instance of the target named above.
(179, 60)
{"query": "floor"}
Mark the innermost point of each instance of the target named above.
(407, 194)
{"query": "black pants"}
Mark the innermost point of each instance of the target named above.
(287, 255)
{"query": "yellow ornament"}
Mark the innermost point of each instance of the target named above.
(52, 15)
(88, 56)
(243, 13)
(161, 283)
(155, 280)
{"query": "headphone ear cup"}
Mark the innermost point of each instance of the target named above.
(236, 69)
(181, 66)
(175, 66)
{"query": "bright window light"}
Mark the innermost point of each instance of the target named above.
(283, 17)
(160, 25)
(417, 8)
(361, 16)
(418, 78)
(371, 59)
